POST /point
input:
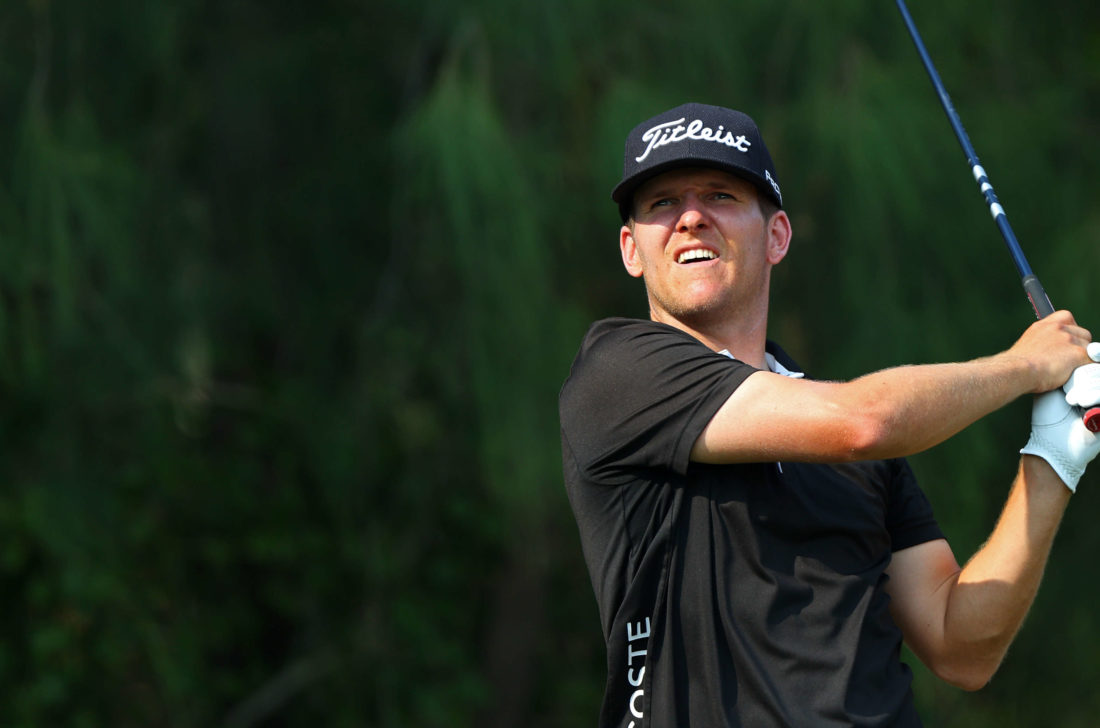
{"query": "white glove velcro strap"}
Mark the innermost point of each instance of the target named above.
(1040, 447)
(1059, 436)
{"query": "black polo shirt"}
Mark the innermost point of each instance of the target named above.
(730, 595)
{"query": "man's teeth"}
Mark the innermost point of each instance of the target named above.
(697, 254)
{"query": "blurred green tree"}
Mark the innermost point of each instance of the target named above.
(287, 293)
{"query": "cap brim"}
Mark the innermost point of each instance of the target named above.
(623, 193)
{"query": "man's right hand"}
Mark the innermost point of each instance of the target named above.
(1054, 347)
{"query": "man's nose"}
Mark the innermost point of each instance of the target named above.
(692, 217)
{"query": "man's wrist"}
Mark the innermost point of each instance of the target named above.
(1039, 469)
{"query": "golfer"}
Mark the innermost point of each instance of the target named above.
(758, 546)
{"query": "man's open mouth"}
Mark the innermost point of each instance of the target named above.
(696, 255)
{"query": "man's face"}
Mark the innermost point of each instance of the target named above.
(702, 245)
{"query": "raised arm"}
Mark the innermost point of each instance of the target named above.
(891, 413)
(960, 622)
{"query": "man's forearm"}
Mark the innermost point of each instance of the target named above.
(891, 413)
(910, 409)
(943, 399)
(996, 588)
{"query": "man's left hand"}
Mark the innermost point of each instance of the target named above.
(1083, 387)
(1059, 436)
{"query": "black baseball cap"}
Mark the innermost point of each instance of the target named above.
(696, 135)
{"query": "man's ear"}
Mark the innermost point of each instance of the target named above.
(779, 237)
(631, 261)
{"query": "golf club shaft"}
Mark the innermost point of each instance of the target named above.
(1034, 289)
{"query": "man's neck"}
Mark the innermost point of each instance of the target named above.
(743, 337)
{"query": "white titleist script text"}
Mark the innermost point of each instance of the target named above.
(673, 131)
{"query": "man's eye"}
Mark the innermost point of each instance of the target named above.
(723, 196)
(662, 202)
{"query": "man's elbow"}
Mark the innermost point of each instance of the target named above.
(868, 436)
(968, 680)
(968, 674)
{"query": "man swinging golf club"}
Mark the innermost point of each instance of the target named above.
(758, 546)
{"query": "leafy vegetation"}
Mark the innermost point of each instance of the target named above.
(287, 292)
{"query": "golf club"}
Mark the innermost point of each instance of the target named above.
(1032, 287)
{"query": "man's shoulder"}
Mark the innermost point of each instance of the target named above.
(622, 331)
(616, 351)
(625, 326)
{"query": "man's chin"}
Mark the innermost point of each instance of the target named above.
(697, 315)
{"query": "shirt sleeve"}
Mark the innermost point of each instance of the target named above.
(639, 395)
(909, 519)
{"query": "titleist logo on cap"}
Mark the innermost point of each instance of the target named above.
(695, 135)
(673, 131)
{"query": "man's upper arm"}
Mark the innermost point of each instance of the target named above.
(638, 395)
(920, 581)
(771, 417)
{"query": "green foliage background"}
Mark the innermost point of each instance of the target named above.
(287, 291)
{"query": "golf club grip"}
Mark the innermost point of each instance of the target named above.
(1037, 295)
(1092, 419)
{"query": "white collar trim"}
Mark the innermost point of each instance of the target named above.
(773, 365)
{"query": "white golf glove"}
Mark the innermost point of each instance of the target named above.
(1083, 387)
(1059, 436)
